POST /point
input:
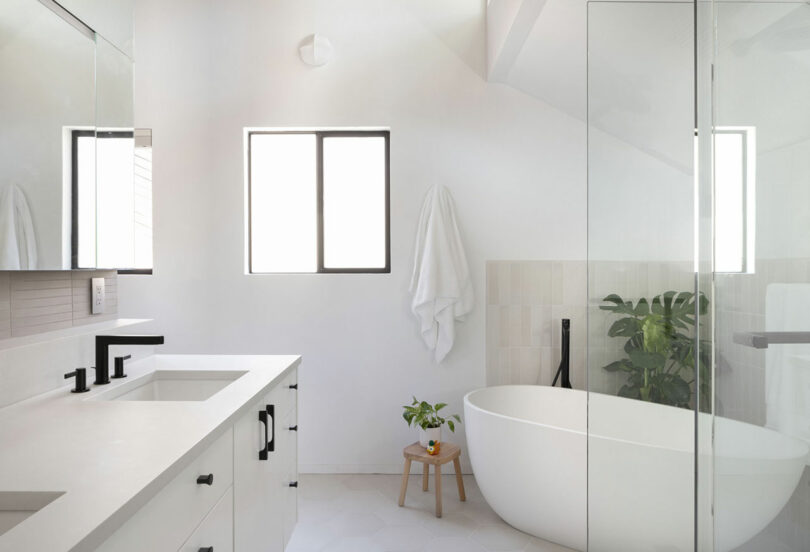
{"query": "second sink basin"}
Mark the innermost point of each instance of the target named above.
(172, 385)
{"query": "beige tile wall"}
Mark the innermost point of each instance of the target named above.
(740, 303)
(37, 302)
(631, 281)
(526, 300)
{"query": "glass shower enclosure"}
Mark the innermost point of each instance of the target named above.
(698, 276)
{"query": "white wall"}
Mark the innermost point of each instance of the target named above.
(206, 69)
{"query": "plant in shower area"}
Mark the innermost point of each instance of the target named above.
(660, 347)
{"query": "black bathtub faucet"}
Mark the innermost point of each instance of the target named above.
(565, 358)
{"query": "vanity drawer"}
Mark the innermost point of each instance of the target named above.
(167, 520)
(216, 530)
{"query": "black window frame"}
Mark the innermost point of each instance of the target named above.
(74, 193)
(319, 137)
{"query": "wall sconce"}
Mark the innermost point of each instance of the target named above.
(316, 50)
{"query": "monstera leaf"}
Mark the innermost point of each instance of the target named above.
(663, 353)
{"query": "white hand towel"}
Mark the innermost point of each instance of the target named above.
(441, 285)
(18, 245)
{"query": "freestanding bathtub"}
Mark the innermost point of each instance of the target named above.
(530, 453)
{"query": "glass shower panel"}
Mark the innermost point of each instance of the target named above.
(762, 276)
(642, 322)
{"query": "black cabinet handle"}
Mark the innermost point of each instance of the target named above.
(269, 443)
(294, 386)
(294, 484)
(271, 411)
(205, 479)
(294, 428)
(263, 420)
(206, 549)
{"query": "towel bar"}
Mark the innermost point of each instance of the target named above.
(761, 340)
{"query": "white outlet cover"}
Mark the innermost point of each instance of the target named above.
(98, 295)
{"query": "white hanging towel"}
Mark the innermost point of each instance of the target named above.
(787, 379)
(18, 245)
(441, 285)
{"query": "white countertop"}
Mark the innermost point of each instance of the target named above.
(111, 457)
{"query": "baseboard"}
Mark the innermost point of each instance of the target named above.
(390, 469)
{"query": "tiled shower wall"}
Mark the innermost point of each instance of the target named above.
(741, 308)
(526, 301)
(42, 301)
(631, 280)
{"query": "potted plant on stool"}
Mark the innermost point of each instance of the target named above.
(426, 416)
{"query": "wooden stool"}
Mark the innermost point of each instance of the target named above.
(417, 453)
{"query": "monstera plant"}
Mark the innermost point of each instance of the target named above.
(661, 347)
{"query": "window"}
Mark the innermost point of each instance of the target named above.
(735, 198)
(112, 199)
(318, 201)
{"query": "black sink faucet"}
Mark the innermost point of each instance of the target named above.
(103, 343)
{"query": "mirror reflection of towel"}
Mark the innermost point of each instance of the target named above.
(787, 383)
(18, 245)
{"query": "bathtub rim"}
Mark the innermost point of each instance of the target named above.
(791, 442)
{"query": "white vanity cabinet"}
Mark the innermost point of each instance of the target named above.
(265, 464)
(249, 506)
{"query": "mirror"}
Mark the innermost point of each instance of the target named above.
(48, 69)
(69, 193)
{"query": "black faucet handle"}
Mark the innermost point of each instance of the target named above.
(119, 366)
(81, 380)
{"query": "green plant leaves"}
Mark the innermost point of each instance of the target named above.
(650, 361)
(425, 415)
(624, 327)
(661, 347)
(617, 365)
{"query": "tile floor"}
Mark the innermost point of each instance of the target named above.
(359, 513)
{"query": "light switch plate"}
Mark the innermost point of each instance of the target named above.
(97, 295)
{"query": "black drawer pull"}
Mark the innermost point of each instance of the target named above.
(206, 549)
(271, 411)
(263, 420)
(294, 386)
(294, 428)
(294, 484)
(205, 479)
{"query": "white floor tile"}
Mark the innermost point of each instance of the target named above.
(355, 524)
(359, 513)
(403, 538)
(455, 544)
(500, 538)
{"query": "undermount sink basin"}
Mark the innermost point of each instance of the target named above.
(17, 506)
(172, 385)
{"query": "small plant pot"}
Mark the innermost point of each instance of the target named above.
(429, 434)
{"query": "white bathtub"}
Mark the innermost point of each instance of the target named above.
(529, 451)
